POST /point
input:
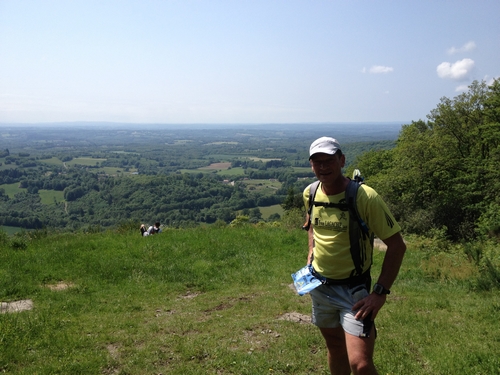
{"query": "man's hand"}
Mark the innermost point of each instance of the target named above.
(390, 267)
(370, 304)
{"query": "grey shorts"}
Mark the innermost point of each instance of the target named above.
(332, 306)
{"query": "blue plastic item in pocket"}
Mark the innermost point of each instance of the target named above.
(304, 281)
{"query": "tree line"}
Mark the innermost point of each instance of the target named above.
(443, 174)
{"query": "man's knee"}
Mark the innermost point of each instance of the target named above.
(362, 366)
(360, 351)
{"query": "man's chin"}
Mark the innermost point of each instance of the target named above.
(324, 177)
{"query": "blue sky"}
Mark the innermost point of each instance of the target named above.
(241, 61)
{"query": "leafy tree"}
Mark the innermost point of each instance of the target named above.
(293, 200)
(443, 173)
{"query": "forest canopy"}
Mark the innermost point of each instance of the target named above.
(443, 174)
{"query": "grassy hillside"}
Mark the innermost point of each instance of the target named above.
(218, 301)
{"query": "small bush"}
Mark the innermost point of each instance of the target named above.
(489, 277)
(4, 238)
(293, 219)
(19, 243)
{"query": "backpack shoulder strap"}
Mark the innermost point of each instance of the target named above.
(313, 188)
(351, 194)
(358, 230)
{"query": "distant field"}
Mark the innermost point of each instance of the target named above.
(114, 170)
(238, 171)
(264, 186)
(91, 162)
(52, 161)
(47, 196)
(51, 196)
(217, 166)
(10, 230)
(12, 189)
(268, 211)
(7, 166)
(125, 152)
(227, 157)
(85, 161)
(253, 158)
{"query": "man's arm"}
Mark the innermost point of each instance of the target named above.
(392, 261)
(390, 268)
(310, 235)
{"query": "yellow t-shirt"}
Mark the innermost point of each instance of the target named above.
(332, 250)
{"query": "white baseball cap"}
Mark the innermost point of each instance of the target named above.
(324, 145)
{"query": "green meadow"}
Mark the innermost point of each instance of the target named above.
(52, 161)
(12, 189)
(219, 301)
(46, 196)
(51, 196)
(85, 161)
(274, 209)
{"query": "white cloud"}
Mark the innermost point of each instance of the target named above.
(457, 71)
(378, 69)
(469, 46)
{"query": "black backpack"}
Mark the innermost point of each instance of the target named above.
(358, 230)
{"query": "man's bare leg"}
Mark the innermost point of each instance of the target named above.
(338, 360)
(347, 352)
(360, 353)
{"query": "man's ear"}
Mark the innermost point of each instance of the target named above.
(342, 161)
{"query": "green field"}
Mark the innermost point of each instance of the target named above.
(7, 166)
(10, 230)
(51, 196)
(221, 303)
(267, 186)
(232, 172)
(12, 189)
(52, 161)
(85, 161)
(274, 209)
(47, 196)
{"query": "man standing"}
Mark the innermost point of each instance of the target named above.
(343, 308)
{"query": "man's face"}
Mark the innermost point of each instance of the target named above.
(327, 168)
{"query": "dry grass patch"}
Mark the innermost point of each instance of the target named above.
(62, 285)
(296, 318)
(218, 166)
(16, 306)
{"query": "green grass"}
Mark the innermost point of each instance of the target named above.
(51, 196)
(265, 185)
(12, 189)
(85, 161)
(47, 196)
(10, 230)
(52, 161)
(232, 172)
(274, 209)
(210, 301)
(113, 170)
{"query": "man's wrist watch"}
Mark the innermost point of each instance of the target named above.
(379, 289)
